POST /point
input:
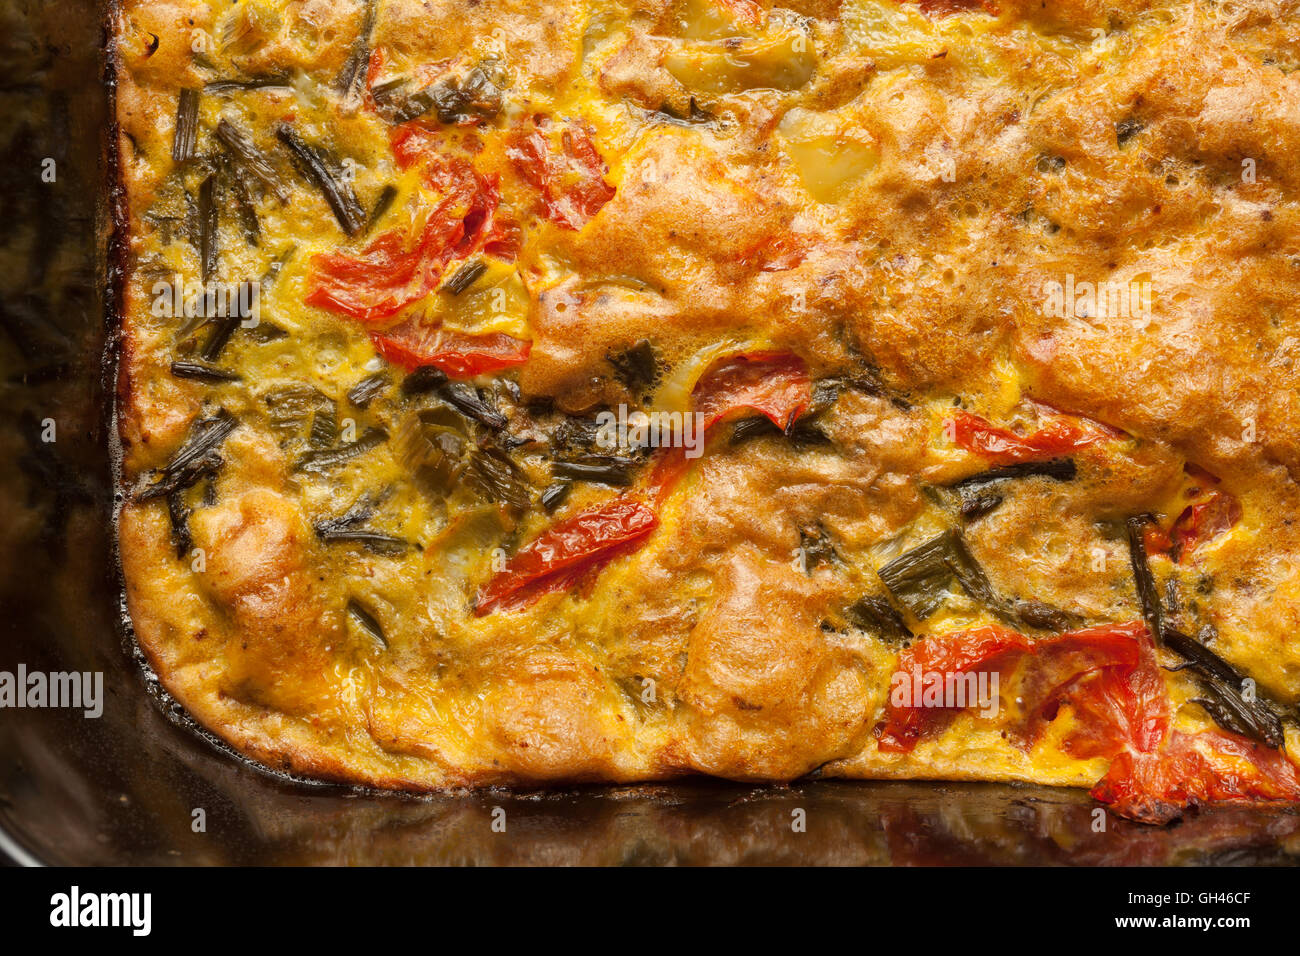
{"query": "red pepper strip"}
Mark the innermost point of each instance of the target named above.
(775, 384)
(977, 435)
(568, 173)
(386, 277)
(458, 354)
(930, 663)
(1204, 521)
(557, 557)
(946, 7)
(1208, 767)
(1108, 675)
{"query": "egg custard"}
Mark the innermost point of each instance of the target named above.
(528, 393)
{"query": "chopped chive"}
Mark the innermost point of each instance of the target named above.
(1153, 611)
(318, 462)
(875, 613)
(1059, 469)
(465, 277)
(382, 204)
(203, 373)
(555, 495)
(208, 228)
(315, 166)
(367, 621)
(221, 333)
(275, 82)
(240, 146)
(187, 125)
(600, 469)
(365, 391)
(1227, 704)
(197, 457)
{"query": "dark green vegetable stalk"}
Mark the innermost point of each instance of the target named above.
(496, 478)
(1148, 596)
(461, 396)
(365, 391)
(600, 469)
(348, 527)
(555, 495)
(1059, 469)
(222, 330)
(875, 613)
(352, 78)
(367, 621)
(241, 147)
(313, 163)
(919, 580)
(382, 205)
(187, 125)
(197, 457)
(203, 373)
(464, 277)
(1227, 703)
(319, 462)
(277, 81)
(208, 228)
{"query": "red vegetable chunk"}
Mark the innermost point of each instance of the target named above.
(458, 354)
(560, 160)
(1208, 767)
(1006, 447)
(557, 557)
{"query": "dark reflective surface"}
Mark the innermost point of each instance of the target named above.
(123, 789)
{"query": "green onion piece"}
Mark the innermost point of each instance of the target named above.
(465, 276)
(241, 147)
(203, 373)
(187, 125)
(313, 163)
(367, 621)
(875, 613)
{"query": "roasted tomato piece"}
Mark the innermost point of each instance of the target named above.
(557, 557)
(1108, 676)
(561, 162)
(929, 680)
(1208, 767)
(395, 270)
(775, 384)
(458, 354)
(1204, 521)
(1061, 435)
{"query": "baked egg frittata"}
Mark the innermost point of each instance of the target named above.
(520, 393)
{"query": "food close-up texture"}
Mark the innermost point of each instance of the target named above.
(534, 393)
